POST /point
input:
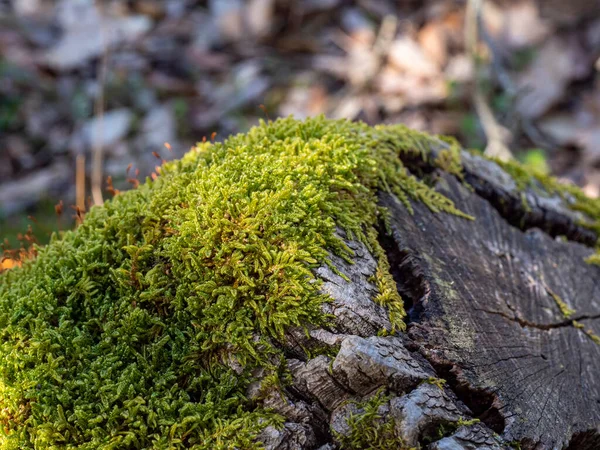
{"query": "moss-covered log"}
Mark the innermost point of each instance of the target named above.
(318, 284)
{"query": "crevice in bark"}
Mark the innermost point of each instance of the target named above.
(414, 288)
(518, 214)
(479, 401)
(407, 273)
(550, 326)
(587, 440)
(512, 206)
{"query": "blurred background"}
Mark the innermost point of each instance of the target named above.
(92, 89)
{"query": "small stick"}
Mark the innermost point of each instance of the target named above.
(495, 133)
(80, 181)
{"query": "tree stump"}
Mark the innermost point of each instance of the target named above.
(502, 314)
(248, 297)
(504, 308)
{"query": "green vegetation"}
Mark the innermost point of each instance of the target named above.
(439, 382)
(562, 306)
(142, 328)
(587, 331)
(370, 429)
(535, 160)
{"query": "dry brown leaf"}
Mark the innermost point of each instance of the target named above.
(407, 56)
(413, 90)
(307, 98)
(432, 39)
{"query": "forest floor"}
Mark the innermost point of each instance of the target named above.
(122, 78)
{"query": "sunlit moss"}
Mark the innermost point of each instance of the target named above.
(142, 328)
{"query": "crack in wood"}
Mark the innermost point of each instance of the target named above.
(507, 345)
(551, 326)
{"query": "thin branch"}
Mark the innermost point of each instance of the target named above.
(80, 182)
(97, 162)
(495, 133)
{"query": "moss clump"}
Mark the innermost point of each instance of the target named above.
(439, 382)
(370, 428)
(587, 331)
(142, 328)
(562, 306)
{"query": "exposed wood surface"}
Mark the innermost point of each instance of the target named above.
(487, 313)
(504, 308)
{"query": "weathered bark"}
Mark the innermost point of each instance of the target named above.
(498, 307)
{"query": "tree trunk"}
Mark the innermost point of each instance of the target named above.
(504, 318)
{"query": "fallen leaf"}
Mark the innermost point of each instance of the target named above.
(432, 39)
(516, 25)
(259, 16)
(8, 263)
(407, 56)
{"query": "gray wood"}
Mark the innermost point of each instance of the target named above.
(492, 304)
(487, 317)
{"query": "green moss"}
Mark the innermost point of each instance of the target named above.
(388, 291)
(371, 428)
(449, 159)
(466, 422)
(588, 332)
(594, 259)
(564, 309)
(562, 306)
(439, 382)
(446, 429)
(573, 196)
(144, 326)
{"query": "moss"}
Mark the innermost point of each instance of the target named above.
(577, 201)
(144, 327)
(588, 332)
(449, 159)
(388, 295)
(565, 310)
(562, 306)
(371, 428)
(439, 382)
(446, 429)
(466, 422)
(326, 350)
(594, 259)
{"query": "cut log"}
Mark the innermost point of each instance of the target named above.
(498, 312)
(508, 315)
(248, 297)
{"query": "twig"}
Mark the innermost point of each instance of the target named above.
(496, 134)
(79, 182)
(97, 168)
